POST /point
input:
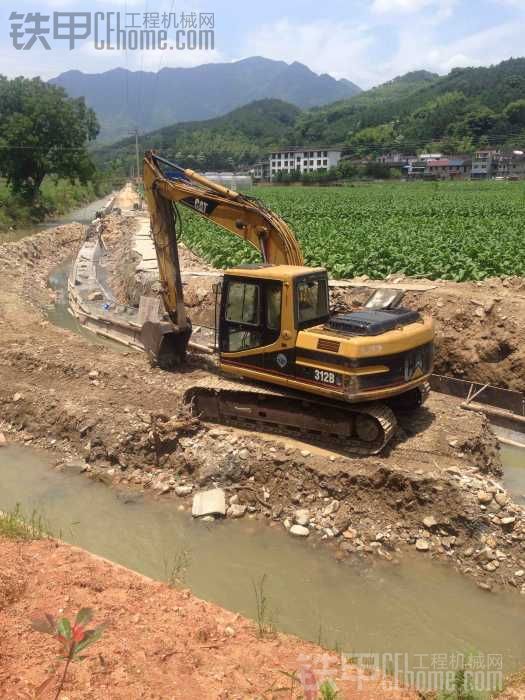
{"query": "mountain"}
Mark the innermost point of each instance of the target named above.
(456, 113)
(459, 111)
(240, 137)
(124, 99)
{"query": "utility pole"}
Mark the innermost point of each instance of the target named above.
(135, 133)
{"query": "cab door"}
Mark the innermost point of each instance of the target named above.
(250, 319)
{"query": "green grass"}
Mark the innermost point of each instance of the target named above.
(14, 525)
(57, 197)
(451, 230)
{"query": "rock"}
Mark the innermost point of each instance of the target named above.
(508, 523)
(183, 489)
(468, 552)
(519, 573)
(331, 508)
(422, 545)
(302, 517)
(484, 586)
(491, 540)
(244, 454)
(208, 519)
(93, 374)
(350, 534)
(3, 440)
(211, 502)
(305, 453)
(487, 554)
(501, 498)
(287, 523)
(236, 510)
(95, 296)
(484, 498)
(17, 397)
(429, 522)
(229, 631)
(299, 531)
(75, 467)
(491, 566)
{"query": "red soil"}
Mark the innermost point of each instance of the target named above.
(160, 642)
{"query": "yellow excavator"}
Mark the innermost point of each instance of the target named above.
(309, 371)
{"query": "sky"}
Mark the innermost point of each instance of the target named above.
(365, 41)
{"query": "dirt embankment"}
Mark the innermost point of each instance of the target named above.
(159, 643)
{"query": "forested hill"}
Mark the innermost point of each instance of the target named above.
(459, 111)
(456, 113)
(242, 136)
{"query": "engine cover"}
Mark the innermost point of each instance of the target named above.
(372, 321)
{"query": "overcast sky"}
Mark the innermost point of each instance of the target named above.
(366, 41)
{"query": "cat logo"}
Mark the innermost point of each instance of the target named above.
(200, 206)
(203, 206)
(414, 366)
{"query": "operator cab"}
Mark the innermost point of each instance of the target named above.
(259, 303)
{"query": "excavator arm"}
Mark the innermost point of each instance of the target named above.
(166, 185)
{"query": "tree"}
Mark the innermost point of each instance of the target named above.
(515, 113)
(477, 123)
(43, 132)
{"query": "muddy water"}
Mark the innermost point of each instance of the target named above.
(58, 311)
(418, 608)
(513, 459)
(83, 215)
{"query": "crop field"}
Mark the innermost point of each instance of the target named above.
(455, 230)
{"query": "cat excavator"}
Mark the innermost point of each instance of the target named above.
(297, 366)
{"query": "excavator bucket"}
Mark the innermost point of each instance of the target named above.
(165, 344)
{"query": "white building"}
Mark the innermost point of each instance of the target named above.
(235, 181)
(303, 160)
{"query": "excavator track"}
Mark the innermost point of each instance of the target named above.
(361, 429)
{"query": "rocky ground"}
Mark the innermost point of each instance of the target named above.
(436, 489)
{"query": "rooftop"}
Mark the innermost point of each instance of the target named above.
(301, 149)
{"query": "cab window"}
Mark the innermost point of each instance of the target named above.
(242, 305)
(311, 301)
(273, 306)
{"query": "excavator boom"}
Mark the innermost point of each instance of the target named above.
(243, 216)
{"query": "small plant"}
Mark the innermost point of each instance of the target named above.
(73, 638)
(328, 691)
(16, 526)
(265, 625)
(462, 688)
(176, 568)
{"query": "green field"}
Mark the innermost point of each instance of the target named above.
(459, 231)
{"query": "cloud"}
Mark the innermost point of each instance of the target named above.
(338, 48)
(481, 48)
(385, 6)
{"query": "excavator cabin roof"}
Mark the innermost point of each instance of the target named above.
(283, 273)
